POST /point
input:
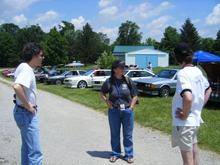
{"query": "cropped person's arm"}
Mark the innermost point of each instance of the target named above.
(19, 91)
(104, 98)
(207, 95)
(133, 102)
(187, 104)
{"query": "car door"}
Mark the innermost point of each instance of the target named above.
(145, 74)
(134, 75)
(99, 76)
(173, 81)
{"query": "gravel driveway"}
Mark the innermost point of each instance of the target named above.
(72, 134)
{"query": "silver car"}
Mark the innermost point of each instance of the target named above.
(134, 74)
(162, 84)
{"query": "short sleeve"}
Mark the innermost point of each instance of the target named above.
(24, 78)
(183, 84)
(133, 89)
(205, 82)
(105, 87)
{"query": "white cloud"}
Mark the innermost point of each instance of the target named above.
(214, 17)
(109, 11)
(155, 28)
(112, 33)
(47, 20)
(10, 6)
(47, 17)
(195, 21)
(146, 10)
(20, 20)
(104, 3)
(79, 22)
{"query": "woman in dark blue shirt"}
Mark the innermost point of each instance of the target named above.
(121, 101)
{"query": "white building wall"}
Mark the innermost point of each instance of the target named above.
(130, 59)
(163, 60)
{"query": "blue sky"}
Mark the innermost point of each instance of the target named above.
(152, 16)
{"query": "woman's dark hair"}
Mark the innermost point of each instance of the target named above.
(116, 64)
(183, 53)
(30, 49)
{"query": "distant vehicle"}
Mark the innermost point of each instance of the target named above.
(58, 80)
(85, 80)
(44, 73)
(41, 74)
(8, 72)
(74, 64)
(163, 84)
(133, 74)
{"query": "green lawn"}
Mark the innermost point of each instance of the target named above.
(154, 112)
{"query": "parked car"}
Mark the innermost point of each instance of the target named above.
(59, 79)
(41, 74)
(85, 80)
(162, 84)
(133, 74)
(8, 72)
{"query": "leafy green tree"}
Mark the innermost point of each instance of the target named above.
(129, 34)
(34, 33)
(152, 42)
(207, 44)
(217, 43)
(9, 28)
(55, 48)
(90, 44)
(67, 30)
(170, 38)
(8, 53)
(190, 35)
(105, 60)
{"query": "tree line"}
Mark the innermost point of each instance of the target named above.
(64, 44)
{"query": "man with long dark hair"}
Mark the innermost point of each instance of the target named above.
(25, 110)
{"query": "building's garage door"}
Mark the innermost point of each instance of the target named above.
(143, 60)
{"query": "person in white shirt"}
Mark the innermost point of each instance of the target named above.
(25, 110)
(149, 66)
(192, 93)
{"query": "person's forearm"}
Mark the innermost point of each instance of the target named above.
(187, 105)
(133, 102)
(103, 97)
(19, 91)
(207, 95)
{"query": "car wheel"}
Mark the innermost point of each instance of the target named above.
(82, 84)
(58, 82)
(165, 91)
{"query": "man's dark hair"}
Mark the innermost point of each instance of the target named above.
(183, 53)
(30, 49)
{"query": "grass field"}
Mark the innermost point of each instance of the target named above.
(153, 112)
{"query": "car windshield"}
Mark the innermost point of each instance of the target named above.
(166, 74)
(64, 73)
(88, 73)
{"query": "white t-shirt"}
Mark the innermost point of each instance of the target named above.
(192, 79)
(24, 75)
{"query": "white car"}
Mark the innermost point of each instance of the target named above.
(135, 74)
(85, 80)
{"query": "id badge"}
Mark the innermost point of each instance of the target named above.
(122, 107)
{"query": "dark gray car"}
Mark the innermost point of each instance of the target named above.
(162, 84)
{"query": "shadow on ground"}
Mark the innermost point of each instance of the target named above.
(100, 154)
